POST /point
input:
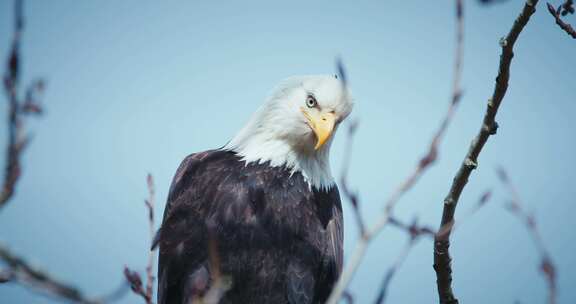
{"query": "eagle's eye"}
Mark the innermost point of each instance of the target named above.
(311, 101)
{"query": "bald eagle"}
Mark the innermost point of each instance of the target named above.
(269, 201)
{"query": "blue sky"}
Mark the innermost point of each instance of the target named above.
(135, 86)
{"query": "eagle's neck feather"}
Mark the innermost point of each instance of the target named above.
(261, 147)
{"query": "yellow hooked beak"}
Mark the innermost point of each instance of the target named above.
(322, 124)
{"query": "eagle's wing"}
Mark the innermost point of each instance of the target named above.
(336, 231)
(183, 232)
(306, 286)
(333, 250)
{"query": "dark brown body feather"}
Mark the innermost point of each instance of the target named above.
(278, 240)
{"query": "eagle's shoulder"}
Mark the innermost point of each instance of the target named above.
(198, 185)
(193, 174)
(192, 166)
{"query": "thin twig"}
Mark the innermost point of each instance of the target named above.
(18, 269)
(21, 271)
(392, 270)
(451, 226)
(563, 25)
(352, 196)
(415, 232)
(516, 208)
(413, 229)
(17, 108)
(428, 159)
(442, 260)
(150, 205)
(348, 297)
(6, 275)
(491, 1)
(133, 277)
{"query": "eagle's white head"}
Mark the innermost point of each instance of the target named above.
(295, 127)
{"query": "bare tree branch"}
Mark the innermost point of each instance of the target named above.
(515, 206)
(346, 191)
(566, 9)
(23, 272)
(150, 205)
(18, 269)
(451, 226)
(17, 108)
(6, 275)
(135, 281)
(491, 1)
(133, 277)
(442, 260)
(428, 159)
(415, 232)
(392, 270)
(348, 297)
